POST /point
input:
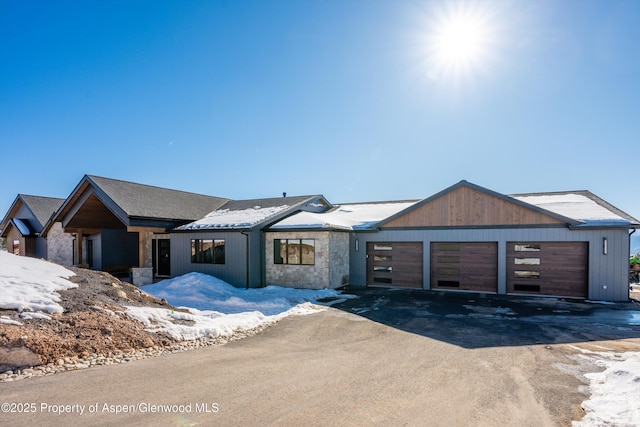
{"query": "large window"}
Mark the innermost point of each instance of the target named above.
(294, 251)
(207, 251)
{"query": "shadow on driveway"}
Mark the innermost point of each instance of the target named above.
(473, 320)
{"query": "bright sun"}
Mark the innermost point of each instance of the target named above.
(459, 41)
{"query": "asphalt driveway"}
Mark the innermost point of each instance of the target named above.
(388, 357)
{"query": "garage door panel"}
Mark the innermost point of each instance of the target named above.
(468, 266)
(561, 269)
(398, 264)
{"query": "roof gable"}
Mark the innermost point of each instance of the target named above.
(468, 205)
(42, 207)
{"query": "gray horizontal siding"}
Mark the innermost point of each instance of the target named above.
(608, 274)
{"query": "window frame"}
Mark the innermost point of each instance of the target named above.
(292, 250)
(199, 256)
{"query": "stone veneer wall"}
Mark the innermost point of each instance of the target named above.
(331, 261)
(59, 245)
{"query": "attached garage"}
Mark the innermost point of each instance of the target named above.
(397, 264)
(464, 266)
(548, 268)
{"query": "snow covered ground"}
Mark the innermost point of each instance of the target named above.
(216, 308)
(615, 392)
(29, 284)
(219, 309)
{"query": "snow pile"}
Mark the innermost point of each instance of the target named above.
(349, 216)
(219, 309)
(226, 218)
(615, 392)
(31, 284)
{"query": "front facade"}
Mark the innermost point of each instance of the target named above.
(464, 238)
(468, 238)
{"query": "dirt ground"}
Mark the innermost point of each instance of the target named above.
(93, 321)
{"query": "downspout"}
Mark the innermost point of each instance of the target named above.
(246, 235)
(633, 230)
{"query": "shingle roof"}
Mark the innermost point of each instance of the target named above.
(146, 201)
(42, 207)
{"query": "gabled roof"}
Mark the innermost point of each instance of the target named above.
(581, 205)
(42, 208)
(146, 201)
(348, 216)
(247, 214)
(127, 201)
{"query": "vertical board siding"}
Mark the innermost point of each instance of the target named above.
(233, 271)
(466, 206)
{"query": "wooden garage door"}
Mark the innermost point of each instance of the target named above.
(396, 264)
(465, 266)
(548, 268)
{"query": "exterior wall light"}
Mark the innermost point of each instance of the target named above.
(605, 246)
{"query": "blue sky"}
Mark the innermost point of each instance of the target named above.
(348, 98)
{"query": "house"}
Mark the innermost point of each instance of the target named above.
(469, 238)
(23, 224)
(120, 226)
(463, 238)
(154, 232)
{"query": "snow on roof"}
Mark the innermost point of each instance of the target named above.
(357, 216)
(226, 218)
(575, 206)
(22, 227)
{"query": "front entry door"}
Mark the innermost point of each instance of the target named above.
(162, 257)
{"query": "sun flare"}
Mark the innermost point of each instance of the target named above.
(460, 41)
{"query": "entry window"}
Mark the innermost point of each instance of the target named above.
(294, 251)
(207, 251)
(16, 247)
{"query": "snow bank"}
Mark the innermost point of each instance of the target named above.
(615, 392)
(219, 309)
(204, 292)
(31, 284)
